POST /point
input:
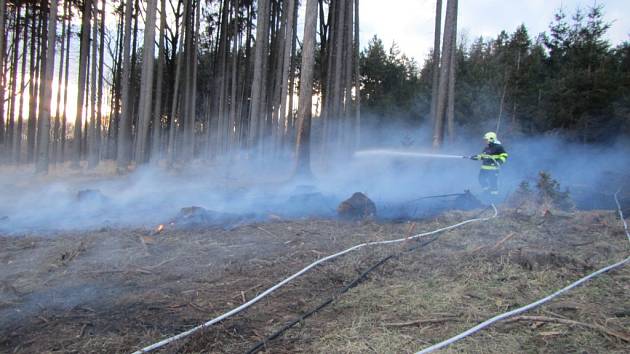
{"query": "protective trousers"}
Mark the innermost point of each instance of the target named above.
(489, 180)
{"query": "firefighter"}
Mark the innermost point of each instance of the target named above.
(492, 158)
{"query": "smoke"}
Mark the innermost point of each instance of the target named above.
(153, 195)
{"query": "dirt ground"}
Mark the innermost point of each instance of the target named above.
(116, 291)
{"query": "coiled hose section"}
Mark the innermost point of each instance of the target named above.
(519, 310)
(295, 275)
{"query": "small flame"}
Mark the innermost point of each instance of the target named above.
(159, 228)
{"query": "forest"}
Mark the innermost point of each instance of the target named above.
(229, 176)
(222, 78)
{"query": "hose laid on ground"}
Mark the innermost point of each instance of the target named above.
(295, 275)
(534, 304)
(261, 344)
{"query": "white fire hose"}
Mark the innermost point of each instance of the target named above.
(519, 310)
(304, 270)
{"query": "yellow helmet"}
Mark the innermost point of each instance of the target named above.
(490, 136)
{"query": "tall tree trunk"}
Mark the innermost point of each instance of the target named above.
(436, 60)
(188, 143)
(450, 107)
(452, 67)
(124, 127)
(113, 128)
(81, 83)
(45, 101)
(2, 40)
(57, 125)
(10, 134)
(220, 81)
(357, 78)
(303, 144)
(234, 101)
(286, 67)
(146, 84)
(35, 63)
(174, 121)
(64, 123)
(157, 109)
(41, 78)
(291, 115)
(99, 94)
(92, 146)
(450, 33)
(17, 148)
(346, 141)
(260, 58)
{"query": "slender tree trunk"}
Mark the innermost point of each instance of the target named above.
(99, 94)
(41, 78)
(286, 67)
(450, 108)
(174, 123)
(220, 81)
(188, 143)
(357, 78)
(157, 109)
(260, 57)
(291, 116)
(35, 63)
(17, 148)
(64, 123)
(303, 144)
(124, 127)
(450, 111)
(193, 81)
(328, 76)
(112, 132)
(346, 142)
(146, 84)
(81, 83)
(86, 105)
(93, 134)
(436, 59)
(44, 115)
(450, 28)
(57, 124)
(10, 134)
(234, 83)
(3, 33)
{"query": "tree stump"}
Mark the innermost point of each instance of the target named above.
(359, 206)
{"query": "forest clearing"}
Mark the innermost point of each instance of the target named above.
(314, 176)
(113, 289)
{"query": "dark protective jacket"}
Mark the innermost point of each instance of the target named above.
(493, 156)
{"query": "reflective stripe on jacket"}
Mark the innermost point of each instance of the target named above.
(494, 155)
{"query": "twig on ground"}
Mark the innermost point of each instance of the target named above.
(197, 307)
(82, 331)
(267, 232)
(598, 328)
(503, 240)
(420, 322)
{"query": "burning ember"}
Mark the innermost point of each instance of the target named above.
(159, 229)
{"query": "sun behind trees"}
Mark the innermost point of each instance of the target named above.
(169, 81)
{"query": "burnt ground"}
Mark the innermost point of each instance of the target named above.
(112, 290)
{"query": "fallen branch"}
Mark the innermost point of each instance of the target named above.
(267, 232)
(503, 240)
(598, 328)
(420, 322)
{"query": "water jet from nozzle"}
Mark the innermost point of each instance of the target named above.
(398, 153)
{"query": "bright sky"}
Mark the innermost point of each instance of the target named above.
(410, 23)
